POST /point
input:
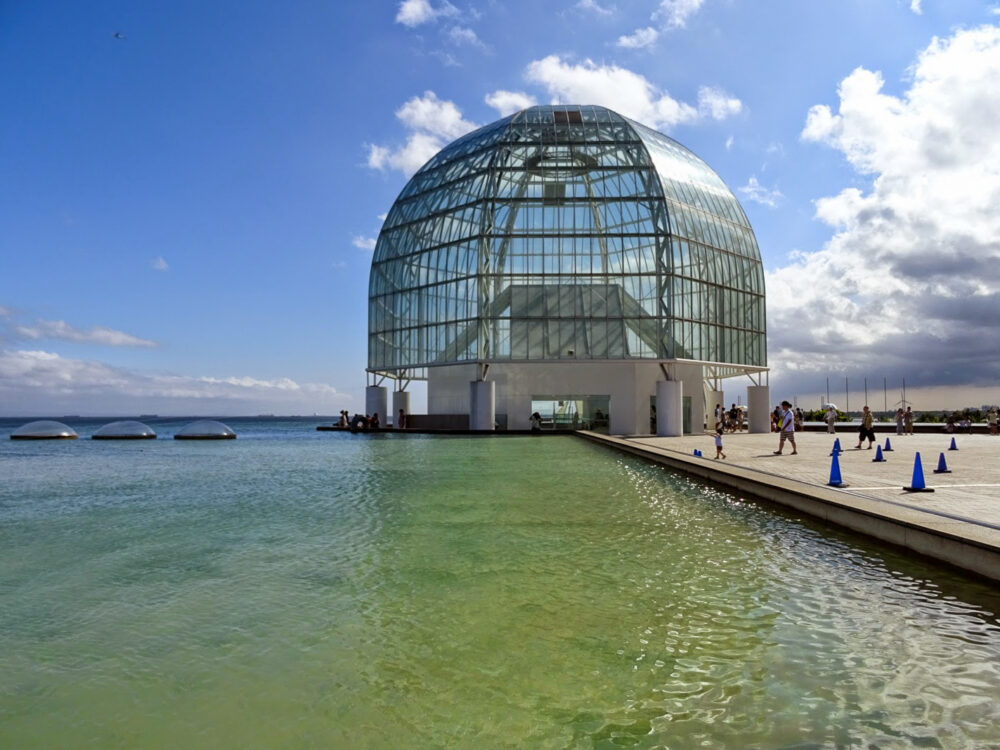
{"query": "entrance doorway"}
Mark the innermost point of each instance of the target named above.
(572, 411)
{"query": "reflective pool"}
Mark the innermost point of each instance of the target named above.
(291, 589)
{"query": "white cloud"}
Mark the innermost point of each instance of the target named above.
(717, 104)
(434, 116)
(42, 382)
(433, 122)
(159, 264)
(910, 280)
(5, 312)
(463, 35)
(729, 143)
(639, 39)
(363, 243)
(915, 7)
(675, 13)
(509, 102)
(757, 193)
(414, 13)
(624, 91)
(592, 6)
(59, 330)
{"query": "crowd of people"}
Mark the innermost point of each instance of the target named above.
(367, 422)
(731, 420)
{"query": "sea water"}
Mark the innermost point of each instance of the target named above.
(297, 589)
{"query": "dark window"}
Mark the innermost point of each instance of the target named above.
(572, 117)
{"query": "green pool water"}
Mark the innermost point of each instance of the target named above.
(293, 590)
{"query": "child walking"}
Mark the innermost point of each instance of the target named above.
(718, 442)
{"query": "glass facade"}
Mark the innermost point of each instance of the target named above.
(564, 233)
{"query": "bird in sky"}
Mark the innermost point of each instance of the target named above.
(118, 35)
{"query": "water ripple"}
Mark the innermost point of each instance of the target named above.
(357, 592)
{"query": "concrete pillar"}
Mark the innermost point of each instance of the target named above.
(483, 404)
(713, 398)
(376, 401)
(400, 400)
(669, 408)
(759, 408)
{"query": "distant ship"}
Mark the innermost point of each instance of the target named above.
(265, 415)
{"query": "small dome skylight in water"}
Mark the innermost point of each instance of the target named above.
(44, 429)
(205, 429)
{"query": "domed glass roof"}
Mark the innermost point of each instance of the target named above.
(205, 429)
(565, 232)
(125, 430)
(43, 429)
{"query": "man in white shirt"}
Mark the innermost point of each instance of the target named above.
(787, 428)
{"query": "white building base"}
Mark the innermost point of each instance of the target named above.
(629, 386)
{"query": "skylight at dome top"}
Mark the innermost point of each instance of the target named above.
(565, 233)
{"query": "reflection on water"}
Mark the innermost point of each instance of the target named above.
(375, 591)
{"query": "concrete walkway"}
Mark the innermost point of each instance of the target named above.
(959, 522)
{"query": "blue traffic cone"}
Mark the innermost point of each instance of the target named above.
(888, 445)
(697, 453)
(878, 455)
(942, 466)
(836, 448)
(917, 483)
(953, 446)
(835, 479)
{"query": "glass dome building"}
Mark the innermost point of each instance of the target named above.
(565, 254)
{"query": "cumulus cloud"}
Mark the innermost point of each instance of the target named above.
(675, 13)
(509, 102)
(715, 103)
(41, 382)
(433, 122)
(624, 91)
(593, 7)
(915, 7)
(414, 13)
(363, 243)
(60, 330)
(909, 283)
(159, 264)
(463, 35)
(639, 39)
(757, 193)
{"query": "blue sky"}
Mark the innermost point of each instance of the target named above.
(188, 212)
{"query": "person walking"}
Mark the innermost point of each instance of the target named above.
(867, 428)
(787, 429)
(993, 419)
(908, 420)
(899, 420)
(831, 419)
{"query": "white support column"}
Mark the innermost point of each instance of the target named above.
(483, 404)
(669, 408)
(759, 407)
(400, 400)
(376, 401)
